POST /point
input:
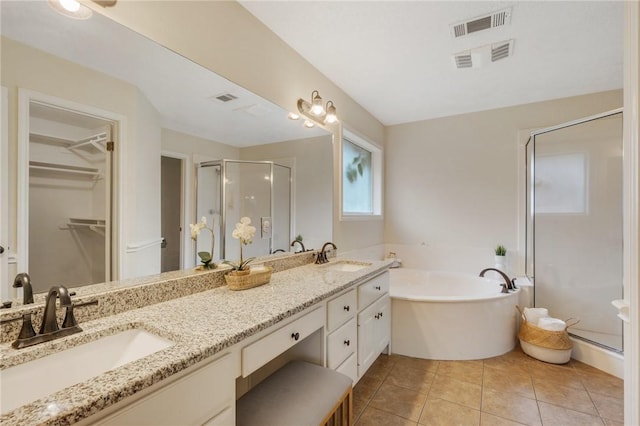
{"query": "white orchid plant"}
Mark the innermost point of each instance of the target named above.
(205, 257)
(245, 233)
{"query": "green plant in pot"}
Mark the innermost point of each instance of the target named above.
(501, 250)
(205, 257)
(245, 233)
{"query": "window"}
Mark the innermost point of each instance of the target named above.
(361, 177)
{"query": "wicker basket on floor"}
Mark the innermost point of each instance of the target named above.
(546, 345)
(253, 279)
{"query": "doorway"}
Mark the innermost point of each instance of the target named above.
(172, 200)
(68, 196)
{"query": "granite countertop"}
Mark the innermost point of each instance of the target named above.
(201, 325)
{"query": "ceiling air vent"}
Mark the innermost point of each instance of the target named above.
(226, 97)
(463, 60)
(485, 22)
(501, 50)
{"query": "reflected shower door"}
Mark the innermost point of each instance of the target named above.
(208, 199)
(281, 207)
(248, 193)
(577, 226)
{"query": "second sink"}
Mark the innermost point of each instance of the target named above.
(35, 379)
(345, 266)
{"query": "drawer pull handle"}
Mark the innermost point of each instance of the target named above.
(377, 287)
(347, 342)
(380, 314)
(376, 316)
(295, 336)
(346, 308)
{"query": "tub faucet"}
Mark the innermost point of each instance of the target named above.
(23, 280)
(322, 255)
(508, 285)
(293, 243)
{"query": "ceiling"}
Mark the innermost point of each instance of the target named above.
(181, 91)
(395, 57)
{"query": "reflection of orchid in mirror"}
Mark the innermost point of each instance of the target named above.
(245, 233)
(205, 257)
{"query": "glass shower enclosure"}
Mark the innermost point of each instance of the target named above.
(227, 190)
(574, 224)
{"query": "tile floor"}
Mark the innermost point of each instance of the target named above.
(511, 389)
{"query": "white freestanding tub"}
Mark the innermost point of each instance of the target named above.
(450, 316)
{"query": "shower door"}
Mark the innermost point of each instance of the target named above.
(574, 245)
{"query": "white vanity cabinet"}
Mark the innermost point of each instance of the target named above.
(374, 320)
(203, 395)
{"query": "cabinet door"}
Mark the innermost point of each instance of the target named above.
(382, 319)
(366, 338)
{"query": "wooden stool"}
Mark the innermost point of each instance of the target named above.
(298, 394)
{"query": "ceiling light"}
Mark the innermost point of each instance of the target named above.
(71, 8)
(308, 123)
(314, 111)
(293, 116)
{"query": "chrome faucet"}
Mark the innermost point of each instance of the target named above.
(49, 329)
(23, 280)
(322, 255)
(508, 283)
(293, 243)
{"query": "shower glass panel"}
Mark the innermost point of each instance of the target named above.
(574, 247)
(228, 190)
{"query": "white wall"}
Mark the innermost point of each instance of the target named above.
(452, 183)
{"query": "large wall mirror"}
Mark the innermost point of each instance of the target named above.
(85, 210)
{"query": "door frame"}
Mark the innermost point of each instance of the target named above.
(113, 214)
(187, 255)
(5, 288)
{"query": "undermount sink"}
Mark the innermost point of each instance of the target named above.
(27, 382)
(346, 266)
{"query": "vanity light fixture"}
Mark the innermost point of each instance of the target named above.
(71, 8)
(315, 111)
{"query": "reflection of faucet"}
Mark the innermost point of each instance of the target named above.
(322, 255)
(49, 329)
(23, 280)
(293, 243)
(508, 283)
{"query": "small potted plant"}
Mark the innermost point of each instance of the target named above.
(205, 257)
(245, 233)
(500, 259)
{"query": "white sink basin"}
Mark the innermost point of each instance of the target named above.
(346, 266)
(24, 383)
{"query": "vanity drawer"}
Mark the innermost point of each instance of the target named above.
(342, 343)
(340, 309)
(349, 367)
(372, 290)
(264, 350)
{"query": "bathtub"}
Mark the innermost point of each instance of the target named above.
(450, 316)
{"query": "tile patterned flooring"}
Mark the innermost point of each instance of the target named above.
(511, 389)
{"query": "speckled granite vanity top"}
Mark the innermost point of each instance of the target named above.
(201, 325)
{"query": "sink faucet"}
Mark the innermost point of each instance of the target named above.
(322, 255)
(49, 329)
(293, 243)
(23, 280)
(508, 283)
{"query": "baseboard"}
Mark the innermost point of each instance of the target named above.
(595, 356)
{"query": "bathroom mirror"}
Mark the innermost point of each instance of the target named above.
(169, 105)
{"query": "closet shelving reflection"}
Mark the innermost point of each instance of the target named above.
(95, 225)
(91, 149)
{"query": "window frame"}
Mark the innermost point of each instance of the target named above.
(376, 177)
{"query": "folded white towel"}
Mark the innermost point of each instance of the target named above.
(552, 324)
(533, 315)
